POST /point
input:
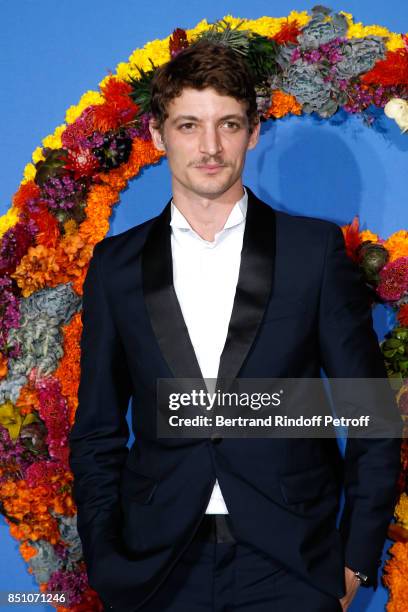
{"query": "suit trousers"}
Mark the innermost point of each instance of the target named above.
(218, 574)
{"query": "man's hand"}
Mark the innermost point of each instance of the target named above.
(352, 584)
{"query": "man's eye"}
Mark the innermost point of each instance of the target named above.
(232, 124)
(186, 125)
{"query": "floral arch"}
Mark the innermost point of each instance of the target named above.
(303, 63)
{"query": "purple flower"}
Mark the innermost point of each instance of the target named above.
(296, 54)
(72, 583)
(142, 130)
(61, 192)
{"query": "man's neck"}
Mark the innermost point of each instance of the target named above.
(207, 216)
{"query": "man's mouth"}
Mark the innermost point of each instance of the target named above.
(210, 167)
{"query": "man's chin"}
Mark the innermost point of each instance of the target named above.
(209, 188)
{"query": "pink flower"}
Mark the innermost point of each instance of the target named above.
(393, 280)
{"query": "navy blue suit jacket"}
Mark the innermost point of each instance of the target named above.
(300, 305)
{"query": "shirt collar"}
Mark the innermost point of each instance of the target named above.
(236, 216)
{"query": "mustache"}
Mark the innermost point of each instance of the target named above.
(210, 161)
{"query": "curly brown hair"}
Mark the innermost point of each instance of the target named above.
(203, 64)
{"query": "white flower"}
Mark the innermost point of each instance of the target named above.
(397, 109)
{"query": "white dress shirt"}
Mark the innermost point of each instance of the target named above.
(205, 276)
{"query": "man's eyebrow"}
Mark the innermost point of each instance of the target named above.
(193, 118)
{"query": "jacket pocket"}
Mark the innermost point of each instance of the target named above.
(138, 487)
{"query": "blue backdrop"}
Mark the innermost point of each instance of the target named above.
(52, 52)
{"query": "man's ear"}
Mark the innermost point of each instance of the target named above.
(254, 136)
(156, 134)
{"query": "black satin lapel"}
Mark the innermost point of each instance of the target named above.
(254, 285)
(161, 300)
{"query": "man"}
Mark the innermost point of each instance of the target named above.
(222, 285)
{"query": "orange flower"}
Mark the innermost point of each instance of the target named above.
(397, 245)
(30, 507)
(352, 237)
(27, 551)
(282, 104)
(27, 400)
(48, 230)
(367, 235)
(3, 366)
(68, 370)
(37, 269)
(96, 225)
(402, 315)
(70, 226)
(396, 577)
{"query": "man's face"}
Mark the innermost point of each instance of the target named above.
(206, 138)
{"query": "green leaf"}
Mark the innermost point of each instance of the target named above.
(141, 88)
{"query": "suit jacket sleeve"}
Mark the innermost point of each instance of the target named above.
(349, 349)
(100, 433)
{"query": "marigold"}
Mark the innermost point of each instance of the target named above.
(397, 245)
(27, 551)
(367, 235)
(29, 173)
(282, 104)
(396, 577)
(68, 370)
(53, 141)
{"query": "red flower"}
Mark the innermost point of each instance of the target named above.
(393, 70)
(118, 109)
(288, 33)
(75, 133)
(178, 41)
(48, 233)
(82, 163)
(393, 280)
(402, 315)
(26, 192)
(352, 238)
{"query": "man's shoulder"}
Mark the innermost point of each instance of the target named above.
(130, 240)
(297, 225)
(306, 226)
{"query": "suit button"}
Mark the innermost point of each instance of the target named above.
(216, 438)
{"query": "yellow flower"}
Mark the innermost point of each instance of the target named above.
(87, 99)
(395, 42)
(29, 173)
(157, 50)
(12, 420)
(53, 141)
(201, 26)
(265, 26)
(8, 220)
(37, 155)
(358, 30)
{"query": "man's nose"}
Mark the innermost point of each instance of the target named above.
(210, 142)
